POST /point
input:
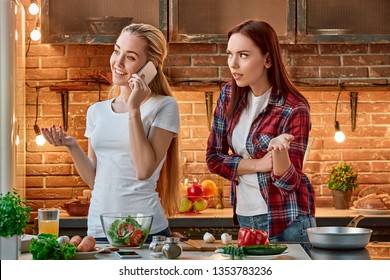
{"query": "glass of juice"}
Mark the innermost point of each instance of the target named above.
(49, 220)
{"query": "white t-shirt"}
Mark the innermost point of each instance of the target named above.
(250, 202)
(116, 188)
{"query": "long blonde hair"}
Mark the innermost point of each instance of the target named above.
(169, 180)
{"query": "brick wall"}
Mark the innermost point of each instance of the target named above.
(52, 177)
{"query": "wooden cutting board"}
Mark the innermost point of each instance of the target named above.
(205, 246)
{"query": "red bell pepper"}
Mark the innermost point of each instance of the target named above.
(249, 236)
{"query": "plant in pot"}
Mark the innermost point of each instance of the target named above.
(342, 181)
(15, 214)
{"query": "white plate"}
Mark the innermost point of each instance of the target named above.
(87, 255)
(266, 257)
(371, 211)
(262, 257)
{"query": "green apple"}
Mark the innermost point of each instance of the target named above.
(185, 205)
(200, 205)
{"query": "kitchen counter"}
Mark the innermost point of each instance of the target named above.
(293, 252)
(195, 225)
(373, 251)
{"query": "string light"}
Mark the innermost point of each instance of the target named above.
(35, 34)
(339, 136)
(33, 9)
(39, 139)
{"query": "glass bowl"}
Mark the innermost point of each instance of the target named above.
(126, 230)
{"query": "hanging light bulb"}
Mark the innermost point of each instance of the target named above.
(35, 34)
(39, 139)
(33, 9)
(339, 136)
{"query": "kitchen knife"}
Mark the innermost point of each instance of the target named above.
(191, 242)
(187, 241)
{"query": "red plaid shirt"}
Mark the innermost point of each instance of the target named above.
(287, 196)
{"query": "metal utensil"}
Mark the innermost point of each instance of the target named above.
(349, 237)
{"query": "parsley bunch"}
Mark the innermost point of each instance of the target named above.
(46, 247)
(14, 214)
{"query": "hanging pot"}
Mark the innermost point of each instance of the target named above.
(349, 237)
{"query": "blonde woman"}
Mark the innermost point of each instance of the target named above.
(133, 153)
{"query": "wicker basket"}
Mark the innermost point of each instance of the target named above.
(107, 25)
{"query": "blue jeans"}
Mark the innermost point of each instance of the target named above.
(295, 232)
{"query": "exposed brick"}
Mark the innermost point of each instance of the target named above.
(185, 132)
(193, 144)
(64, 62)
(300, 49)
(190, 96)
(380, 48)
(343, 72)
(304, 72)
(194, 73)
(46, 74)
(310, 60)
(379, 71)
(185, 108)
(178, 60)
(192, 48)
(343, 48)
(49, 193)
(34, 181)
(58, 158)
(32, 62)
(90, 50)
(64, 181)
(86, 74)
(41, 170)
(209, 60)
(34, 158)
(200, 132)
(349, 60)
(46, 50)
(193, 120)
(100, 62)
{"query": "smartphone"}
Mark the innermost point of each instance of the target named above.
(127, 254)
(149, 70)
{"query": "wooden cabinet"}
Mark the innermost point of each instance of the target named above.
(96, 21)
(347, 21)
(207, 21)
(210, 20)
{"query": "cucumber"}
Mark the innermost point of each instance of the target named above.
(271, 249)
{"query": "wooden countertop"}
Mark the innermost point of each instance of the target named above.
(321, 212)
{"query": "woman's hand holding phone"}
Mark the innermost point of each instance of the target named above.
(139, 84)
